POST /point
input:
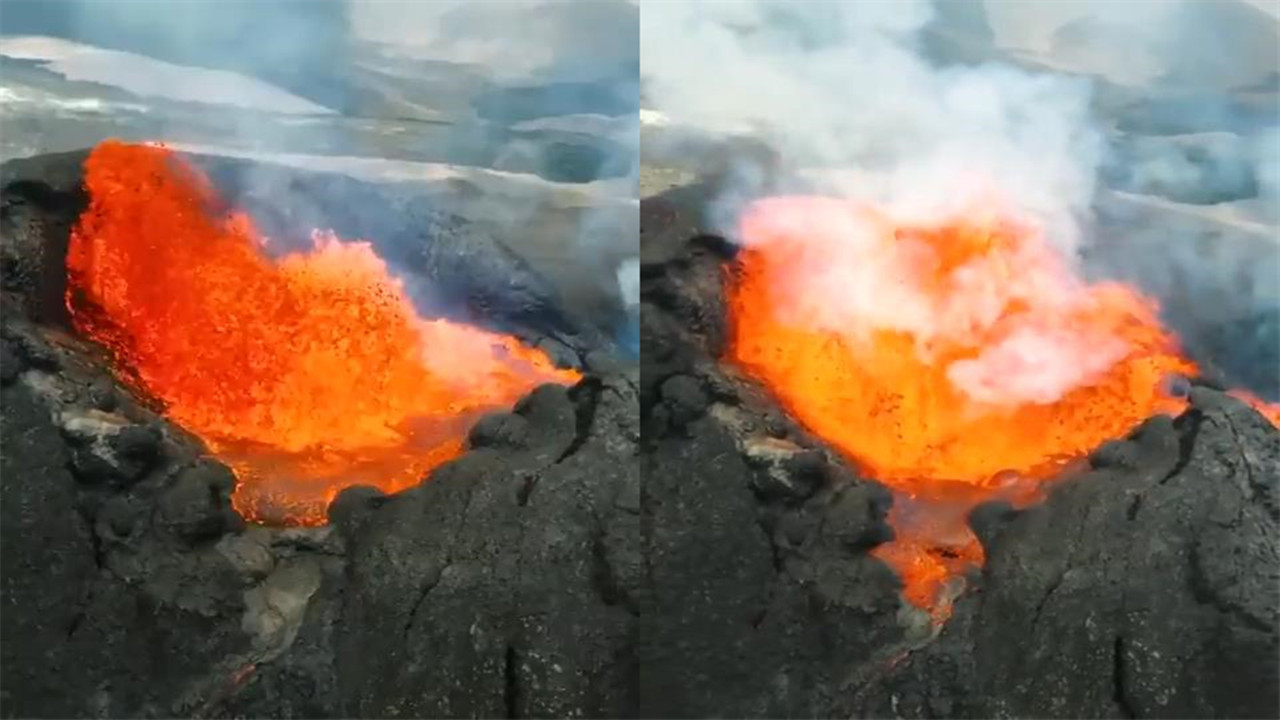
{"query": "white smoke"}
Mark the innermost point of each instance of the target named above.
(629, 281)
(1035, 366)
(845, 95)
(845, 85)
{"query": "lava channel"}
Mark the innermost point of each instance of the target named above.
(957, 363)
(304, 373)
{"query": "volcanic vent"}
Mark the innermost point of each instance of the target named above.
(957, 363)
(174, 364)
(306, 372)
(950, 476)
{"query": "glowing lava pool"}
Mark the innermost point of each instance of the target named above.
(956, 363)
(305, 373)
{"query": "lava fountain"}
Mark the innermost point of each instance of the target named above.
(305, 373)
(956, 362)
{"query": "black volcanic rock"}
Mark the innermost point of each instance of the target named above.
(501, 430)
(1144, 591)
(103, 616)
(49, 563)
(684, 399)
(501, 588)
(742, 621)
(506, 585)
(195, 506)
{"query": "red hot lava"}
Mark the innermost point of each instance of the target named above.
(957, 362)
(305, 373)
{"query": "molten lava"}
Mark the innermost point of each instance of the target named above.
(1268, 410)
(305, 373)
(957, 362)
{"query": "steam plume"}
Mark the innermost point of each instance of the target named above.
(998, 108)
(844, 85)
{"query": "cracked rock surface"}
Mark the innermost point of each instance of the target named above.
(503, 587)
(1147, 584)
(762, 599)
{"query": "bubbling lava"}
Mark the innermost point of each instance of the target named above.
(957, 362)
(305, 373)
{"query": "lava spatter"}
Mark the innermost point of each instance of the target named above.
(305, 373)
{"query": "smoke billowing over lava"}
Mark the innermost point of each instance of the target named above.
(931, 317)
(957, 363)
(307, 372)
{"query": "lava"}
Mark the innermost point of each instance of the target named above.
(956, 362)
(1268, 410)
(305, 373)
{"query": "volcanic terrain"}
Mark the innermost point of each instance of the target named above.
(141, 580)
(1138, 580)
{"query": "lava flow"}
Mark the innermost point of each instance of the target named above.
(957, 363)
(305, 373)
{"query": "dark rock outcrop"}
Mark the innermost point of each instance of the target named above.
(503, 587)
(762, 599)
(113, 606)
(1145, 590)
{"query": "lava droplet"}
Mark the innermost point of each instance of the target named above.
(305, 373)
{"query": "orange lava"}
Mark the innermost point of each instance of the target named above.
(1270, 411)
(305, 373)
(955, 363)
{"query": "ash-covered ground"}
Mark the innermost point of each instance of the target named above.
(1145, 585)
(505, 586)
